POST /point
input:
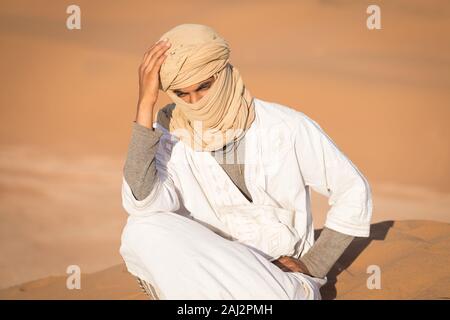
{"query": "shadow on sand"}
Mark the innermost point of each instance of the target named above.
(378, 231)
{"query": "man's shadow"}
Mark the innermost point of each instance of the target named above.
(378, 231)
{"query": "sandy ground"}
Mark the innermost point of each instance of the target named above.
(68, 100)
(57, 211)
(412, 257)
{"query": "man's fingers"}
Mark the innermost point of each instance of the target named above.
(147, 52)
(278, 264)
(155, 53)
(158, 63)
(284, 264)
(147, 55)
(152, 63)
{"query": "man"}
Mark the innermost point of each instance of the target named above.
(204, 227)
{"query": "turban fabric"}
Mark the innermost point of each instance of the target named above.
(226, 111)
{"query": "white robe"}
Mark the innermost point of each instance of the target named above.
(197, 237)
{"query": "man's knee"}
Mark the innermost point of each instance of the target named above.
(141, 232)
(161, 233)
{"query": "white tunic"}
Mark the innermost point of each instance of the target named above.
(286, 153)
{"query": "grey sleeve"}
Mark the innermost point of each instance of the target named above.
(325, 252)
(140, 168)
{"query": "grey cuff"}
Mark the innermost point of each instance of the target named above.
(325, 252)
(140, 168)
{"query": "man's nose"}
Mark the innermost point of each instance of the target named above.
(194, 97)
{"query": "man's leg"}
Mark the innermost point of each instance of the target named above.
(185, 260)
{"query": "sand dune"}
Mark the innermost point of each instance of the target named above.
(59, 210)
(68, 100)
(384, 101)
(56, 211)
(412, 256)
(112, 283)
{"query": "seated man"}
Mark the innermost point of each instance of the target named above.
(218, 188)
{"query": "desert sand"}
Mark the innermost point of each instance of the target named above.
(69, 97)
(412, 256)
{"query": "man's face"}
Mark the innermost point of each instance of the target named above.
(195, 92)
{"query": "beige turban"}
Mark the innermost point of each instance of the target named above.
(226, 111)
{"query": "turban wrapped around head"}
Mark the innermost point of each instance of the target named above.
(226, 111)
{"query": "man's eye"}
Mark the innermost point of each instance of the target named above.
(182, 94)
(205, 87)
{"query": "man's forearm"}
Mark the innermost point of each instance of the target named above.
(325, 252)
(140, 167)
